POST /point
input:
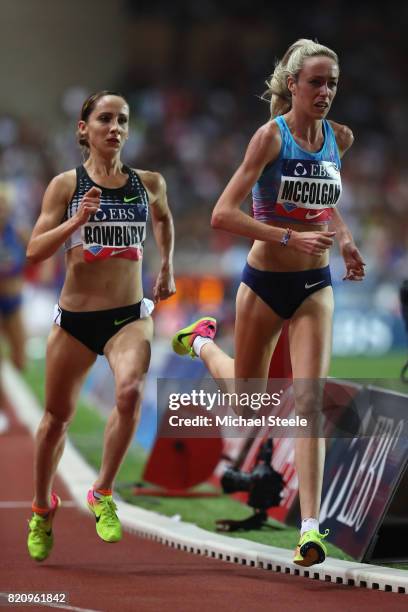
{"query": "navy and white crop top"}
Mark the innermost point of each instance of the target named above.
(299, 186)
(118, 229)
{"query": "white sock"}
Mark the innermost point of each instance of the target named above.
(308, 524)
(97, 494)
(199, 342)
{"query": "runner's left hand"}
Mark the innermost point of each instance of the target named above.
(164, 286)
(354, 262)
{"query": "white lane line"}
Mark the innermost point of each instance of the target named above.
(7, 505)
(74, 608)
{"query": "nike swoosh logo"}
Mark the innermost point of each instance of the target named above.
(307, 286)
(117, 251)
(313, 216)
(127, 200)
(119, 322)
(181, 336)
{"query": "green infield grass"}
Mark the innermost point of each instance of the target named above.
(382, 371)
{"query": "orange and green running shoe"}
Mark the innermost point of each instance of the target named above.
(108, 526)
(40, 537)
(182, 341)
(311, 549)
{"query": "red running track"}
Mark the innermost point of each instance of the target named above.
(141, 575)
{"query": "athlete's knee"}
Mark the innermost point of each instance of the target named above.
(128, 396)
(53, 425)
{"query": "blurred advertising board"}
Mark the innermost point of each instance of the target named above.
(364, 501)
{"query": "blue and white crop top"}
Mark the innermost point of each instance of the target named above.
(118, 229)
(12, 252)
(299, 186)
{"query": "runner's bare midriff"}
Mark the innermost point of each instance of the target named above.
(100, 285)
(277, 258)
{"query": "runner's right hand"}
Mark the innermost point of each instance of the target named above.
(89, 204)
(312, 243)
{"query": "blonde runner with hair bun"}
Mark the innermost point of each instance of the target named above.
(290, 65)
(292, 165)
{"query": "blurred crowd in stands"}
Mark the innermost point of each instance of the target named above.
(194, 79)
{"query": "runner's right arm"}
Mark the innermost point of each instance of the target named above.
(227, 215)
(49, 233)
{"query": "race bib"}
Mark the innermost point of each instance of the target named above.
(309, 184)
(113, 232)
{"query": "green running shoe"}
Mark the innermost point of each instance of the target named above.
(182, 341)
(40, 537)
(108, 526)
(311, 549)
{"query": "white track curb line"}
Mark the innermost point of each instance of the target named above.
(78, 475)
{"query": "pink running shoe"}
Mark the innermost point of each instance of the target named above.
(182, 341)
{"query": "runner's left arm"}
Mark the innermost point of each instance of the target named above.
(163, 230)
(348, 249)
(352, 257)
